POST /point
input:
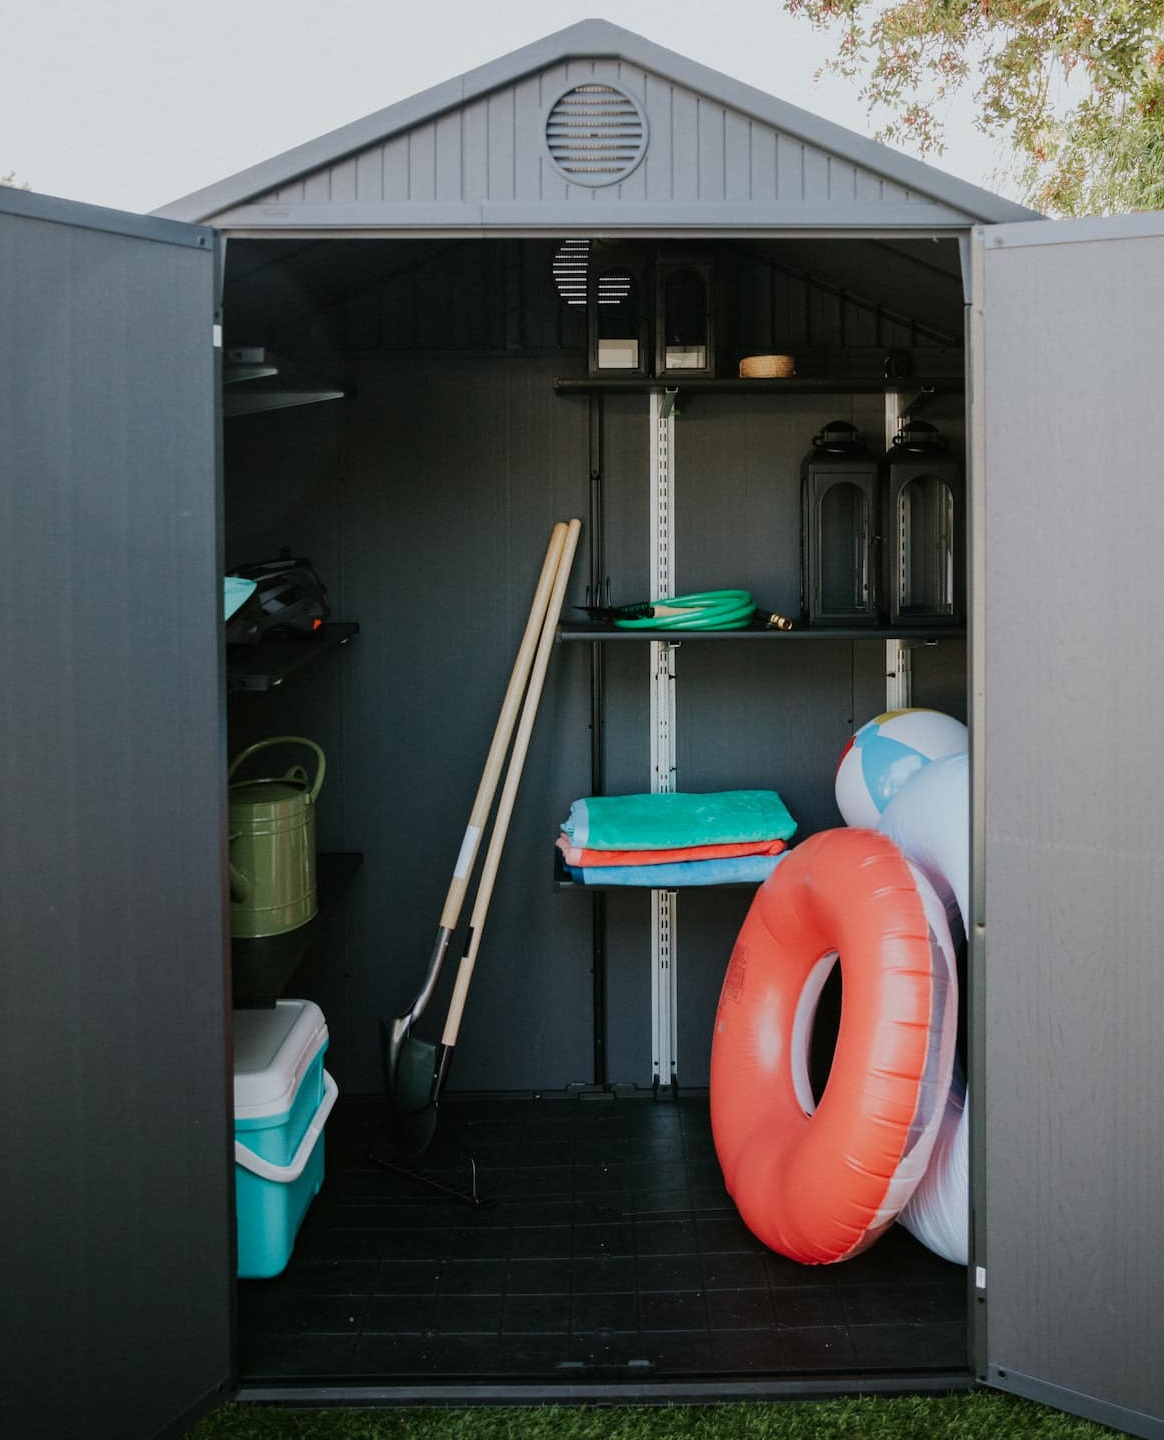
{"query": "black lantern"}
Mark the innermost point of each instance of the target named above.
(684, 320)
(924, 510)
(839, 481)
(616, 310)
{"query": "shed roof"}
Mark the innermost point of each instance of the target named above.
(697, 152)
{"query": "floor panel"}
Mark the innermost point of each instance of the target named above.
(567, 1239)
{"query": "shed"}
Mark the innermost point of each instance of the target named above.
(385, 351)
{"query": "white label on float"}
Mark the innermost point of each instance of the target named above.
(980, 1277)
(468, 850)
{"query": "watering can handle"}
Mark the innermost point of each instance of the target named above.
(321, 762)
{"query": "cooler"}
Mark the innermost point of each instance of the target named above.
(282, 1096)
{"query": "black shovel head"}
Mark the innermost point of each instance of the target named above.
(411, 1066)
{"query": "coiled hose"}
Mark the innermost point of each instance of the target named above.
(703, 610)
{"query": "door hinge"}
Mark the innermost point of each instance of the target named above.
(216, 337)
(980, 1278)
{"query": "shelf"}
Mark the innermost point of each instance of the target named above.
(255, 380)
(261, 968)
(919, 634)
(268, 664)
(923, 390)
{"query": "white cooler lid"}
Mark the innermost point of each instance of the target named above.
(273, 1050)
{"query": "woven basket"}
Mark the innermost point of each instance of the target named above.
(767, 367)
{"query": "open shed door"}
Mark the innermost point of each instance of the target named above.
(1068, 758)
(114, 1069)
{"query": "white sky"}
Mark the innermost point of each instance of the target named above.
(133, 103)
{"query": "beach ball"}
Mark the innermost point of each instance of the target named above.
(886, 753)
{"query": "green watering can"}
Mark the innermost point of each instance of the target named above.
(272, 844)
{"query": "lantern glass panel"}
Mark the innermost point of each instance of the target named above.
(843, 531)
(925, 547)
(619, 316)
(685, 310)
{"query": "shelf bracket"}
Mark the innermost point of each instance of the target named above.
(670, 398)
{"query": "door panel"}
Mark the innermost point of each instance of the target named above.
(1068, 541)
(114, 1076)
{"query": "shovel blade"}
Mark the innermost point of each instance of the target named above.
(411, 1092)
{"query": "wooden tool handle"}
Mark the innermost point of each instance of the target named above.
(509, 789)
(518, 679)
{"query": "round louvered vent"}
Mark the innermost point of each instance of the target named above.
(595, 134)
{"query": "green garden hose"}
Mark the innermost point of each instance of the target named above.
(703, 610)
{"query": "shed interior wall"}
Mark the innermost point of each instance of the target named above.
(425, 499)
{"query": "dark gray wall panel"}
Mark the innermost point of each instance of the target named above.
(939, 676)
(737, 488)
(455, 473)
(1071, 882)
(113, 1038)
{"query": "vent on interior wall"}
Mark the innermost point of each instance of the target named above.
(572, 277)
(571, 263)
(596, 134)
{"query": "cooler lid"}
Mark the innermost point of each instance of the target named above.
(273, 1050)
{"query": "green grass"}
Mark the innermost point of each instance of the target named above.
(978, 1415)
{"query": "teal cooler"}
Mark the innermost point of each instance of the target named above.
(282, 1097)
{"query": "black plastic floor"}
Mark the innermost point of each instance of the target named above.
(603, 1247)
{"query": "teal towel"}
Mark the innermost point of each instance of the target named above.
(658, 822)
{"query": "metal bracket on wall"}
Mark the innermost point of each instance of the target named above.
(898, 659)
(664, 903)
(898, 674)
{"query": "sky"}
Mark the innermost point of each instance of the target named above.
(134, 103)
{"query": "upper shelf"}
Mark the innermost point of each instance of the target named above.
(255, 380)
(267, 664)
(917, 395)
(919, 633)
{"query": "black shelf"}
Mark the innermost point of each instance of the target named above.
(923, 633)
(265, 665)
(732, 385)
(261, 968)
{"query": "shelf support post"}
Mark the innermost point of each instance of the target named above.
(898, 656)
(664, 903)
(597, 532)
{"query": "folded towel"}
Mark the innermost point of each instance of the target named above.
(660, 822)
(737, 870)
(579, 858)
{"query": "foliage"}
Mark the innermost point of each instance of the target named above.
(1076, 88)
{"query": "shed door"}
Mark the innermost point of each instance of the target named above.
(1068, 677)
(116, 1202)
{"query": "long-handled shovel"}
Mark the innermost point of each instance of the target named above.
(423, 1077)
(408, 1061)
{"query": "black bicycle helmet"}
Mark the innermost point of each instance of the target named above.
(289, 599)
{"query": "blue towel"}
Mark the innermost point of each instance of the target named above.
(735, 870)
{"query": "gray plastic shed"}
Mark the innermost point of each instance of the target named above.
(379, 351)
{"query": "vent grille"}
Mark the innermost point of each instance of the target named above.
(595, 134)
(571, 269)
(570, 266)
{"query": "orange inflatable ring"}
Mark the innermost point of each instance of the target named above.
(821, 1182)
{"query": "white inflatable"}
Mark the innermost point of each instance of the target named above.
(929, 821)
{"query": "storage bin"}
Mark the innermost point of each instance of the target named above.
(282, 1097)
